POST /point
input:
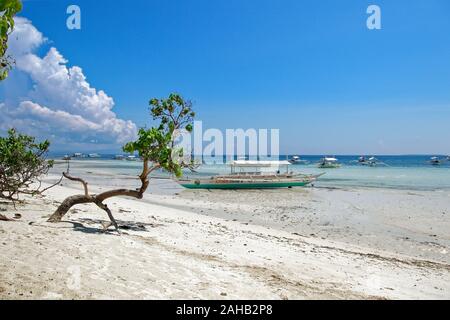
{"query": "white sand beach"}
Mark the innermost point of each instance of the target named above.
(302, 243)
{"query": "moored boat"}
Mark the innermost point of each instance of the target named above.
(77, 155)
(132, 158)
(297, 160)
(93, 155)
(329, 163)
(371, 162)
(435, 161)
(253, 175)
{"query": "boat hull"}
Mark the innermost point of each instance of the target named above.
(297, 162)
(329, 166)
(244, 185)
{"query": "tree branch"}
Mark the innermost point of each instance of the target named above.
(111, 217)
(53, 185)
(84, 183)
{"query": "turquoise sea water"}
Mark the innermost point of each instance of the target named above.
(400, 172)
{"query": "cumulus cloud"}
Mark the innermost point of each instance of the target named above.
(25, 37)
(61, 103)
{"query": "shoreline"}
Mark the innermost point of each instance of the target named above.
(423, 178)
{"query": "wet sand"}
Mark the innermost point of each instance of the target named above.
(413, 223)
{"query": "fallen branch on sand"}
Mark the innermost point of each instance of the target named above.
(156, 148)
(5, 218)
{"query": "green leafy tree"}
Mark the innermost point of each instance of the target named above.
(8, 9)
(155, 147)
(22, 162)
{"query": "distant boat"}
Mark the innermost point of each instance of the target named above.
(297, 160)
(94, 155)
(119, 157)
(77, 155)
(66, 157)
(253, 175)
(329, 163)
(132, 158)
(435, 161)
(371, 162)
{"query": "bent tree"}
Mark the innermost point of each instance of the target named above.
(155, 147)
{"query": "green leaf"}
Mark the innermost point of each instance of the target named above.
(8, 9)
(156, 144)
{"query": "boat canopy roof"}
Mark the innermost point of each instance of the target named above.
(254, 163)
(330, 159)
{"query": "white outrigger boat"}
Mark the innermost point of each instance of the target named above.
(78, 155)
(371, 162)
(329, 163)
(132, 158)
(435, 161)
(297, 160)
(253, 175)
(93, 155)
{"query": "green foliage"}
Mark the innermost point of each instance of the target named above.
(174, 112)
(157, 144)
(8, 9)
(22, 162)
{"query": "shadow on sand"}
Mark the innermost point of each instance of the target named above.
(83, 225)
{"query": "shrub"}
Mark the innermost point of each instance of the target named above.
(22, 162)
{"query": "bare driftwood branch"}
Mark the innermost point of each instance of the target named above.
(99, 198)
(53, 185)
(5, 218)
(84, 183)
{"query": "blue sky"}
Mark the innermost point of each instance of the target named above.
(310, 68)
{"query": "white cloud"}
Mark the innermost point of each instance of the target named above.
(25, 38)
(61, 103)
(72, 123)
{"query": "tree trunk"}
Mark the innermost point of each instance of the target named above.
(67, 204)
(71, 201)
(98, 199)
